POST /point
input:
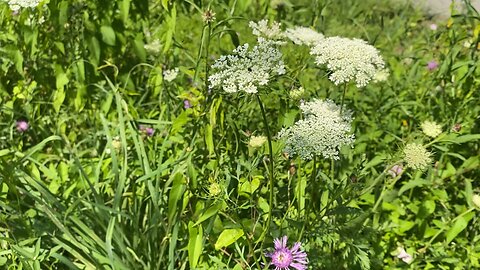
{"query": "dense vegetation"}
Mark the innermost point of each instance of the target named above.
(124, 146)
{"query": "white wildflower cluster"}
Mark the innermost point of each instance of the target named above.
(431, 128)
(303, 36)
(170, 74)
(262, 29)
(417, 156)
(245, 69)
(381, 76)
(16, 5)
(348, 60)
(257, 141)
(296, 94)
(323, 131)
(153, 47)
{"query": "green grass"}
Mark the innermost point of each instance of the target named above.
(85, 188)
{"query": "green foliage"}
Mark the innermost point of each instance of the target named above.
(86, 186)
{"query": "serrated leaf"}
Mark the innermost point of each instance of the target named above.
(228, 237)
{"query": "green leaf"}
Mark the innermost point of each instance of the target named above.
(249, 186)
(171, 24)
(427, 208)
(212, 210)
(108, 35)
(263, 204)
(139, 48)
(209, 140)
(459, 225)
(61, 80)
(176, 194)
(228, 237)
(18, 60)
(412, 184)
(5, 152)
(195, 244)
(468, 192)
(3, 260)
(59, 96)
(124, 10)
(63, 13)
(374, 162)
(94, 49)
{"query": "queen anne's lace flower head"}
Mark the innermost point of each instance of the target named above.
(381, 76)
(245, 69)
(431, 129)
(416, 156)
(348, 60)
(16, 5)
(303, 36)
(323, 131)
(476, 200)
(170, 74)
(262, 29)
(257, 141)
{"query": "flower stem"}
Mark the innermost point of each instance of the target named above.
(270, 169)
(343, 97)
(207, 45)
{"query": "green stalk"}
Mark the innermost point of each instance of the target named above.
(343, 97)
(207, 45)
(310, 205)
(270, 169)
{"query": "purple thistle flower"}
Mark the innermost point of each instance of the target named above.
(22, 125)
(283, 258)
(186, 104)
(149, 131)
(395, 170)
(432, 65)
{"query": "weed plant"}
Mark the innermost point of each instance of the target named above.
(238, 134)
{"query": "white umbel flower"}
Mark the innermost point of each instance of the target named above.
(262, 29)
(16, 5)
(431, 129)
(170, 74)
(303, 36)
(416, 156)
(348, 60)
(323, 131)
(257, 141)
(381, 76)
(153, 47)
(245, 69)
(476, 200)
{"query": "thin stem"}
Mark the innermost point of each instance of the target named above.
(207, 45)
(343, 97)
(270, 170)
(308, 206)
(332, 170)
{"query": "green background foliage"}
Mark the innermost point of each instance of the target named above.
(85, 188)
